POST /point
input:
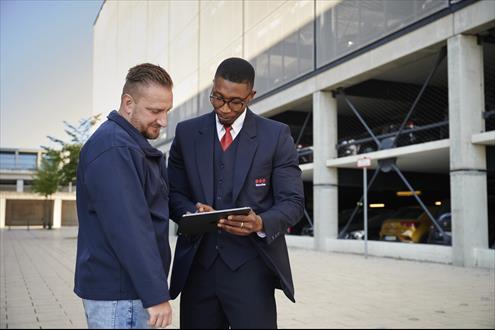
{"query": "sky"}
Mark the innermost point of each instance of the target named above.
(45, 68)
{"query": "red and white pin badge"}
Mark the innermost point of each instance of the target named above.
(261, 182)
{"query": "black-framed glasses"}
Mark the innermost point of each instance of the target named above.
(235, 104)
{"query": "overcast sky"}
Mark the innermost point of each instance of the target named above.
(45, 68)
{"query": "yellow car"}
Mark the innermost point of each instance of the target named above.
(410, 224)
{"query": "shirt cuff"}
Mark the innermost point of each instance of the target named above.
(261, 234)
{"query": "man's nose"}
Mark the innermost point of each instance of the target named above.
(225, 108)
(162, 120)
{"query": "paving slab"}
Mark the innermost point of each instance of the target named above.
(333, 290)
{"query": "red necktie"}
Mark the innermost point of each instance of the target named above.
(227, 138)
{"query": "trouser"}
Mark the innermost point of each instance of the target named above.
(116, 314)
(219, 298)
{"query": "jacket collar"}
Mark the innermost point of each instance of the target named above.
(143, 143)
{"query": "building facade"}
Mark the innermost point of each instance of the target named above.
(408, 84)
(19, 206)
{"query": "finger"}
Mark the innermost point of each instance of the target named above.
(169, 320)
(152, 320)
(236, 230)
(164, 321)
(199, 207)
(159, 321)
(203, 207)
(238, 218)
(238, 224)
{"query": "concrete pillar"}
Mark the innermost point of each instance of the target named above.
(468, 182)
(57, 213)
(20, 185)
(16, 159)
(325, 190)
(3, 211)
(38, 159)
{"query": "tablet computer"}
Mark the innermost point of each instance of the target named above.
(197, 223)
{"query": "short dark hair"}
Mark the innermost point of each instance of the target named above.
(237, 70)
(145, 74)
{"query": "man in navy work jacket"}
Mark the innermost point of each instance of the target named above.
(225, 159)
(123, 253)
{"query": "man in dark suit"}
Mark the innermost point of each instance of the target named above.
(225, 159)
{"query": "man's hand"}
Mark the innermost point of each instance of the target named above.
(160, 315)
(200, 208)
(242, 225)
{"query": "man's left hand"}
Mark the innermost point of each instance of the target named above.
(242, 225)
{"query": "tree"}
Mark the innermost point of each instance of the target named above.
(58, 166)
(46, 181)
(68, 155)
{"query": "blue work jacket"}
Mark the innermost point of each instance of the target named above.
(123, 250)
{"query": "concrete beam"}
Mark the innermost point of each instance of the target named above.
(475, 18)
(419, 252)
(427, 157)
(486, 138)
(301, 242)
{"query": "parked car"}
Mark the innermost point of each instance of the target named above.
(305, 154)
(409, 224)
(364, 143)
(445, 238)
(303, 227)
(348, 148)
(356, 227)
(443, 216)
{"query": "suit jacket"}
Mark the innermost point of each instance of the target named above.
(267, 178)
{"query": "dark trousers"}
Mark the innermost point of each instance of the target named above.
(219, 298)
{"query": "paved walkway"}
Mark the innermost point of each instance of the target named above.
(333, 290)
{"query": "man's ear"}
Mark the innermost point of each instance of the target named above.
(253, 93)
(128, 103)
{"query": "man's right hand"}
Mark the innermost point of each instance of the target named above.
(160, 315)
(200, 208)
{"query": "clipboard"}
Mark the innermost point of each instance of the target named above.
(206, 222)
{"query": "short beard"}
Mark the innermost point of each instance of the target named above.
(151, 137)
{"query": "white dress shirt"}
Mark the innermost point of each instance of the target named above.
(236, 126)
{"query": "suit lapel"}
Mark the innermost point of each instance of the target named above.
(245, 152)
(204, 147)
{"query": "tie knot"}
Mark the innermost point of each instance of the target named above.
(227, 127)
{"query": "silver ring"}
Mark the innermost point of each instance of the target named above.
(242, 224)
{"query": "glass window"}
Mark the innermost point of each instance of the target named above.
(352, 24)
(27, 161)
(24, 161)
(7, 160)
(260, 64)
(285, 60)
